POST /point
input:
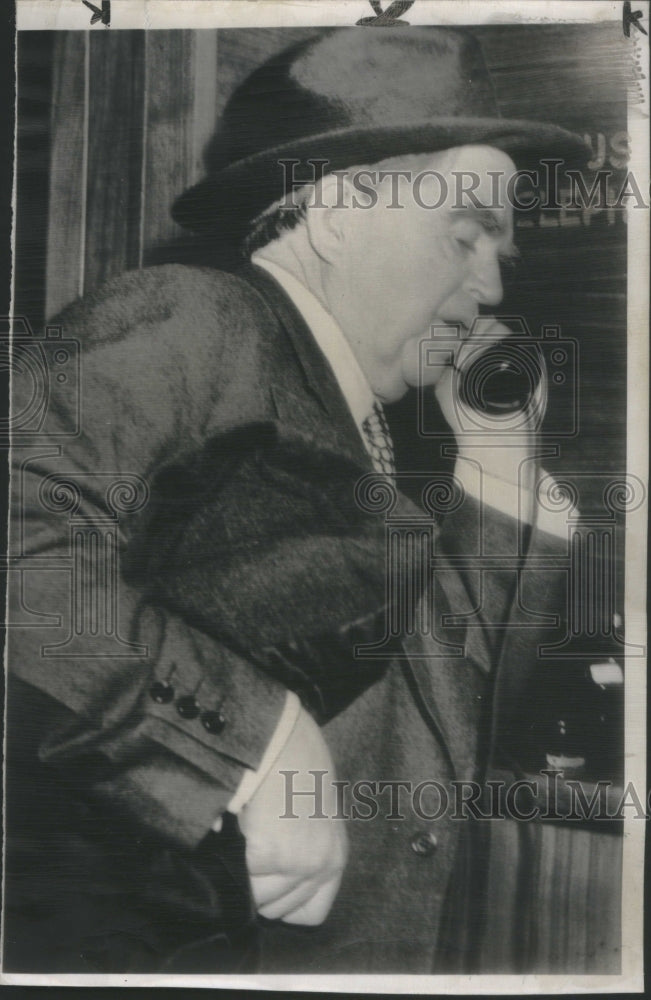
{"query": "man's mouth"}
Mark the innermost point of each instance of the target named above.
(462, 324)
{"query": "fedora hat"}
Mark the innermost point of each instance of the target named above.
(355, 96)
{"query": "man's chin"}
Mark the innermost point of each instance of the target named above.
(391, 394)
(419, 375)
(417, 370)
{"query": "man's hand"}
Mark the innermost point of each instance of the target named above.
(501, 444)
(295, 864)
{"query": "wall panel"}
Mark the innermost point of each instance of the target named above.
(131, 115)
(115, 151)
(67, 176)
(180, 91)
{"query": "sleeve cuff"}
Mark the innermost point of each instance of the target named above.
(515, 501)
(253, 779)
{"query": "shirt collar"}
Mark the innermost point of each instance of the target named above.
(330, 339)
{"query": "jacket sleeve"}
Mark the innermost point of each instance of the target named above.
(499, 554)
(279, 519)
(174, 716)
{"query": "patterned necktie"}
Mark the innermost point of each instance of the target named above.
(378, 437)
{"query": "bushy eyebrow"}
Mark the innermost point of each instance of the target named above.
(485, 216)
(510, 254)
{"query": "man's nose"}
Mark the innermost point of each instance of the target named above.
(486, 280)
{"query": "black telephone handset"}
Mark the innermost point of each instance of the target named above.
(503, 379)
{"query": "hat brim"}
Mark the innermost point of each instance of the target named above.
(225, 201)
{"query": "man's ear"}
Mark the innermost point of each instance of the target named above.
(327, 216)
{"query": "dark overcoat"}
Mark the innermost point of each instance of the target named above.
(188, 540)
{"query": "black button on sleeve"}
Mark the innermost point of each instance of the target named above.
(213, 722)
(161, 692)
(187, 707)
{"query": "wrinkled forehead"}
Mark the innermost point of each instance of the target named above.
(478, 157)
(461, 176)
(482, 170)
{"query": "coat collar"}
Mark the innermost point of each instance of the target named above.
(330, 338)
(321, 409)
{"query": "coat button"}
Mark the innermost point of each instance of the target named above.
(161, 692)
(213, 722)
(424, 843)
(187, 707)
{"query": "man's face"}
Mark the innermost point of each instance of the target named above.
(409, 268)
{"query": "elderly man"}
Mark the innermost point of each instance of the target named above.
(230, 690)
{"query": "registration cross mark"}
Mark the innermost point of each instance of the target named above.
(388, 17)
(102, 14)
(629, 18)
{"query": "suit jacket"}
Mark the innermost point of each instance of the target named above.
(135, 707)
